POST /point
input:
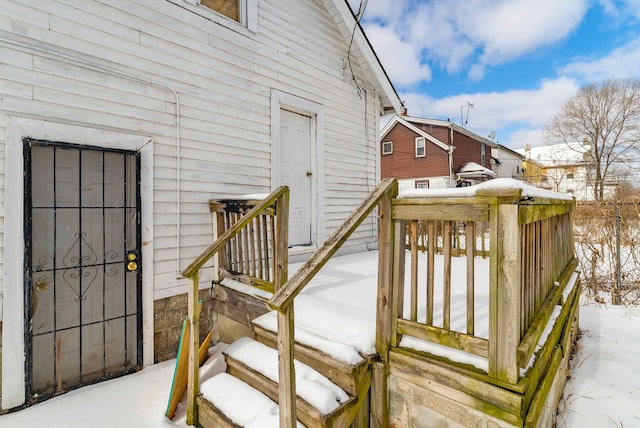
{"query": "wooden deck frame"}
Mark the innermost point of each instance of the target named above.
(526, 284)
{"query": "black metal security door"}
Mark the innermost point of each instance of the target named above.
(82, 270)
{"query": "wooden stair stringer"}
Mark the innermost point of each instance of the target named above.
(211, 416)
(306, 413)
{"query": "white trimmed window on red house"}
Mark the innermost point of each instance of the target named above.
(387, 147)
(420, 147)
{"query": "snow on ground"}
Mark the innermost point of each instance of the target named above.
(604, 389)
(138, 400)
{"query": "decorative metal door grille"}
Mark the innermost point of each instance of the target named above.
(82, 277)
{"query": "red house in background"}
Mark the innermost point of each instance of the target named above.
(431, 153)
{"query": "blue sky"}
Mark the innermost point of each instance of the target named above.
(515, 61)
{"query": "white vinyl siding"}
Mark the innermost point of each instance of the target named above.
(141, 53)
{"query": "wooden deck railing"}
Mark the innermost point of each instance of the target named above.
(248, 256)
(529, 243)
(530, 255)
(252, 241)
(282, 300)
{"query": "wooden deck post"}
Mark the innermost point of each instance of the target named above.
(379, 378)
(504, 289)
(286, 368)
(194, 351)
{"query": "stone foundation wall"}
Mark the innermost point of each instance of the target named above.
(169, 315)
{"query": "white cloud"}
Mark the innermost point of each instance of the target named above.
(508, 29)
(389, 11)
(633, 6)
(519, 138)
(455, 34)
(623, 62)
(500, 112)
(401, 59)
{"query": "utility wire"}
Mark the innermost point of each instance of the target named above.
(359, 88)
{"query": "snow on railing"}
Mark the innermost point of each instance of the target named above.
(530, 240)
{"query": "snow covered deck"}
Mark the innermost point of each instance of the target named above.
(490, 333)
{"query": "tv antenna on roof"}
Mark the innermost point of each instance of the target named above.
(469, 106)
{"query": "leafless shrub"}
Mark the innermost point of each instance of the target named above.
(596, 229)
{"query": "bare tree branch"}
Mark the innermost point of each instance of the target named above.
(606, 116)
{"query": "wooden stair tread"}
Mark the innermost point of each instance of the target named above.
(349, 377)
(311, 386)
(228, 402)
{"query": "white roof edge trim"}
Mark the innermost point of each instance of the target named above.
(399, 120)
(369, 55)
(460, 129)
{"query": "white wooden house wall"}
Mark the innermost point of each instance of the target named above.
(94, 70)
(510, 165)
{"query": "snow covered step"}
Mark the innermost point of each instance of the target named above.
(350, 376)
(227, 402)
(320, 403)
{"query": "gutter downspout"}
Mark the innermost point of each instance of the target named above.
(451, 148)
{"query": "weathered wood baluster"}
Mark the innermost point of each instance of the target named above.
(413, 240)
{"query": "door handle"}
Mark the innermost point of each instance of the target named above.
(132, 261)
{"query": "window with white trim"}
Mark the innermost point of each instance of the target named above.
(420, 147)
(483, 154)
(387, 147)
(242, 11)
(422, 184)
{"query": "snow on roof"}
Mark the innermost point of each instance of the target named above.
(528, 191)
(473, 168)
(557, 154)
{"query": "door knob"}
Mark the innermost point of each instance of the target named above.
(132, 257)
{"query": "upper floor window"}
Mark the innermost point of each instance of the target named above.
(228, 8)
(483, 154)
(387, 147)
(570, 176)
(242, 11)
(420, 147)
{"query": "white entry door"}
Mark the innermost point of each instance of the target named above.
(296, 172)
